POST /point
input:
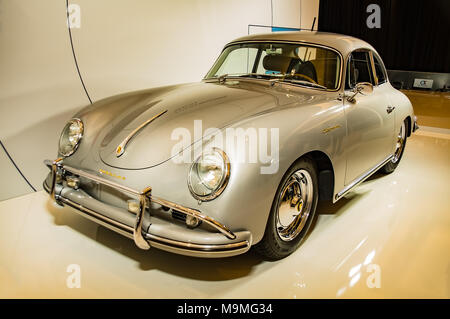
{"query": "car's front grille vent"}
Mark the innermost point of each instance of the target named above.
(178, 215)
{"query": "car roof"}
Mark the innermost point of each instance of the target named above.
(343, 43)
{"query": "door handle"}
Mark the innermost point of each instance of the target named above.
(389, 109)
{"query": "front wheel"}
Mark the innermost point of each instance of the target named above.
(390, 166)
(293, 210)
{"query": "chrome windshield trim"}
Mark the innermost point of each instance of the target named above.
(121, 147)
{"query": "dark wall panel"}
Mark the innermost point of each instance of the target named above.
(414, 34)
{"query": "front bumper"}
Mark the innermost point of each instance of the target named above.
(146, 230)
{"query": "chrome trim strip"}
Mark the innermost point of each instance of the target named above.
(121, 147)
(122, 228)
(195, 213)
(94, 214)
(372, 65)
(192, 246)
(362, 178)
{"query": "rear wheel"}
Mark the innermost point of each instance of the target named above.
(293, 210)
(390, 166)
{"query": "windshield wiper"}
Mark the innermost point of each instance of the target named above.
(288, 78)
(223, 77)
(257, 75)
(273, 78)
(305, 83)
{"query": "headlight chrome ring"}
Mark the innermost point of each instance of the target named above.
(71, 137)
(209, 175)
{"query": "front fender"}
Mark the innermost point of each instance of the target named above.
(247, 200)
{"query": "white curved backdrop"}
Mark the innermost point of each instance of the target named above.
(120, 46)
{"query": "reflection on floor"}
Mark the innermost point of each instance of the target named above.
(392, 231)
(432, 108)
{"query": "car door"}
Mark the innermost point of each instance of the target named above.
(370, 120)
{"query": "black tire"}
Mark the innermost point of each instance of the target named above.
(390, 166)
(272, 246)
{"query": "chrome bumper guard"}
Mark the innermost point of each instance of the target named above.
(58, 170)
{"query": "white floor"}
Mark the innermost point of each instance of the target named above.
(392, 231)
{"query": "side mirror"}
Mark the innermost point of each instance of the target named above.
(365, 88)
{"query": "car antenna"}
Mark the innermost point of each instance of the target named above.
(314, 22)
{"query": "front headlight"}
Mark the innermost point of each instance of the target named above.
(209, 175)
(70, 137)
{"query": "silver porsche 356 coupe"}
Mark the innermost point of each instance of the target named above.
(326, 102)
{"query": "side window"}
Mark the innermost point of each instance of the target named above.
(359, 69)
(379, 69)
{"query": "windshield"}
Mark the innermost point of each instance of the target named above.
(296, 63)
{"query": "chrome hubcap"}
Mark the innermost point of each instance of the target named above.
(294, 205)
(400, 144)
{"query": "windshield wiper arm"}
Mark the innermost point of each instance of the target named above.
(256, 75)
(223, 77)
(273, 78)
(305, 83)
(288, 78)
(241, 75)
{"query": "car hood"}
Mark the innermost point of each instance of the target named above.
(215, 105)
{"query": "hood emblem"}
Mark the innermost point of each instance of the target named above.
(121, 147)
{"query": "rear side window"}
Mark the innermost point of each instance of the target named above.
(379, 69)
(359, 69)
